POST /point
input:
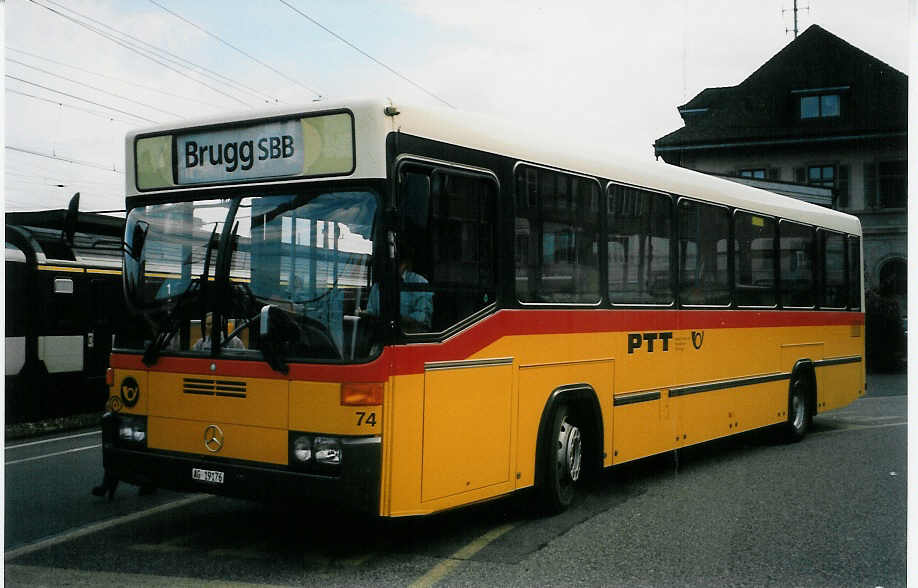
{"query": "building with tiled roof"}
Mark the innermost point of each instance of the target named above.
(821, 112)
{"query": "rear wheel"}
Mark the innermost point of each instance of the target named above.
(563, 461)
(799, 416)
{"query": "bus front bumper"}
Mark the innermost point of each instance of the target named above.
(354, 487)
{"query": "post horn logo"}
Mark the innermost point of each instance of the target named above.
(213, 438)
(697, 339)
(130, 391)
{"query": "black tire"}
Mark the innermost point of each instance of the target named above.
(563, 461)
(799, 413)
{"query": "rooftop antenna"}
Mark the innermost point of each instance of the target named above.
(796, 28)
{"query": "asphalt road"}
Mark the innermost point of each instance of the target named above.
(829, 511)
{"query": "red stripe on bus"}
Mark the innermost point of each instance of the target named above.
(374, 371)
(410, 359)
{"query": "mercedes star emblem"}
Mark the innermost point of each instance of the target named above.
(213, 438)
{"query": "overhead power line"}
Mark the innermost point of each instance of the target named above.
(236, 49)
(96, 88)
(87, 110)
(158, 53)
(81, 99)
(200, 70)
(362, 52)
(51, 178)
(154, 53)
(68, 160)
(117, 79)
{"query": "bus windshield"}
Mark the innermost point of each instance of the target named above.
(308, 254)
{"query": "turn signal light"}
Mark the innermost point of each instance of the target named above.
(362, 394)
(109, 377)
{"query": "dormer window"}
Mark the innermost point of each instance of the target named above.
(820, 102)
(821, 106)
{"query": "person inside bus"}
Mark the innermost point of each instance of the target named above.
(415, 307)
(203, 344)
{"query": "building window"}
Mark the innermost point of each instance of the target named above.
(821, 175)
(893, 183)
(758, 173)
(885, 184)
(820, 106)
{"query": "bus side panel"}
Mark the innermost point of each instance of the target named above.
(760, 405)
(643, 428)
(404, 439)
(843, 382)
(468, 419)
(537, 382)
(791, 353)
(704, 416)
(840, 385)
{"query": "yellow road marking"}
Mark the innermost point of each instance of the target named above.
(443, 568)
(60, 268)
(100, 526)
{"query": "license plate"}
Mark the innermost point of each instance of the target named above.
(210, 476)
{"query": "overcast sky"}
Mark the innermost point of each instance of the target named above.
(612, 71)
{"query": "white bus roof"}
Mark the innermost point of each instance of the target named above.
(551, 147)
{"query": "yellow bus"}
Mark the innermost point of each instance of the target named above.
(402, 310)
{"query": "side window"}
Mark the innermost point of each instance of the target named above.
(833, 292)
(638, 244)
(854, 273)
(446, 247)
(797, 265)
(17, 292)
(703, 265)
(557, 237)
(754, 260)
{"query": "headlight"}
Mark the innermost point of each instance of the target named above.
(302, 449)
(328, 450)
(314, 454)
(132, 429)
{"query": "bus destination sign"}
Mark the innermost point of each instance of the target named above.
(294, 147)
(261, 151)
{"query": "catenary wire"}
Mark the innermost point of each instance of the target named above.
(237, 49)
(117, 79)
(169, 56)
(52, 177)
(158, 52)
(362, 52)
(87, 110)
(112, 169)
(91, 87)
(81, 99)
(139, 52)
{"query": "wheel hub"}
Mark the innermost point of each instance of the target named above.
(570, 450)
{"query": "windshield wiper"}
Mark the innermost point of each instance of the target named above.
(173, 321)
(205, 274)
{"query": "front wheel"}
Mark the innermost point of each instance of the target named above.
(563, 461)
